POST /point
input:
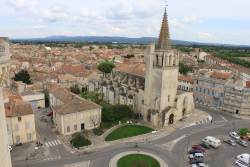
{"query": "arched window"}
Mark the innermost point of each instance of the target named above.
(168, 98)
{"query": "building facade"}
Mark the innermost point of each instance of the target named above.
(237, 97)
(209, 89)
(5, 158)
(20, 121)
(72, 113)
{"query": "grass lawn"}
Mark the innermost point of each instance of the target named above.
(128, 131)
(128, 159)
(87, 142)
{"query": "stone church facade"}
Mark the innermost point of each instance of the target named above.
(152, 92)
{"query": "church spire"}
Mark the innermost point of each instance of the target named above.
(164, 37)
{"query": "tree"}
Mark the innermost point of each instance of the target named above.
(95, 120)
(243, 131)
(78, 137)
(183, 69)
(106, 67)
(23, 76)
(75, 89)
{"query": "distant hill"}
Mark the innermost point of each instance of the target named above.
(142, 40)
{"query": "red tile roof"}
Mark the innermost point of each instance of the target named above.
(221, 75)
(183, 78)
(247, 84)
(12, 98)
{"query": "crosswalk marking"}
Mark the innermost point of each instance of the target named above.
(202, 121)
(52, 143)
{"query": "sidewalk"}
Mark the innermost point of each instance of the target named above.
(99, 143)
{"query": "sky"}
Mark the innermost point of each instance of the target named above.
(210, 21)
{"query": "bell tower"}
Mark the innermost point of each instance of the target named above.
(161, 77)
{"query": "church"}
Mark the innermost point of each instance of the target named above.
(153, 91)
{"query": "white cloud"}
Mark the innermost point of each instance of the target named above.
(25, 6)
(66, 33)
(204, 35)
(86, 13)
(120, 10)
(93, 33)
(191, 20)
(52, 16)
(39, 27)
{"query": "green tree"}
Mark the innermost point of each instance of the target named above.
(78, 137)
(183, 69)
(75, 89)
(22, 75)
(100, 47)
(243, 131)
(106, 67)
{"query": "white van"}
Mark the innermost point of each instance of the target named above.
(212, 141)
(196, 155)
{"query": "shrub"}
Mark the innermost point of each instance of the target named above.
(39, 107)
(98, 131)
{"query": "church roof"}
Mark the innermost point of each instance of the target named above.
(164, 37)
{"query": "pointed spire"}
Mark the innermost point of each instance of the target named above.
(164, 37)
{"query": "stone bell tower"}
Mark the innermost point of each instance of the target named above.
(161, 78)
(4, 71)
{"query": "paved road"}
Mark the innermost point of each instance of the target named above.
(49, 139)
(173, 156)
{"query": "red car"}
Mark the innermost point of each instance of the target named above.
(50, 113)
(243, 137)
(198, 147)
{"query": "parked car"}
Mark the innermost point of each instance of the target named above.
(10, 148)
(241, 163)
(230, 142)
(234, 135)
(199, 165)
(243, 137)
(196, 155)
(19, 144)
(195, 151)
(242, 142)
(199, 147)
(248, 136)
(205, 145)
(196, 160)
(50, 113)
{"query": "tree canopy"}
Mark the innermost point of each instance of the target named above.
(106, 66)
(23, 76)
(75, 89)
(243, 131)
(117, 112)
(183, 69)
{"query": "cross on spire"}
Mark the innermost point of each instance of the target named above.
(166, 2)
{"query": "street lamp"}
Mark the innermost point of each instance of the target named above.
(188, 135)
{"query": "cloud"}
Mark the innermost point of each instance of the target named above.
(66, 33)
(92, 33)
(120, 10)
(191, 20)
(86, 13)
(204, 35)
(39, 27)
(25, 6)
(52, 16)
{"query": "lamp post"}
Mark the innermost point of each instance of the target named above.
(188, 135)
(27, 161)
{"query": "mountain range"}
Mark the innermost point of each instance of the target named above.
(142, 40)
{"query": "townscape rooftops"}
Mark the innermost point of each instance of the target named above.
(247, 84)
(28, 92)
(73, 103)
(224, 76)
(218, 59)
(131, 70)
(213, 66)
(12, 98)
(18, 108)
(237, 83)
(183, 78)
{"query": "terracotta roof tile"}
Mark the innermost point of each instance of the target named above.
(221, 75)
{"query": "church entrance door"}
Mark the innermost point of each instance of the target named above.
(171, 119)
(184, 112)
